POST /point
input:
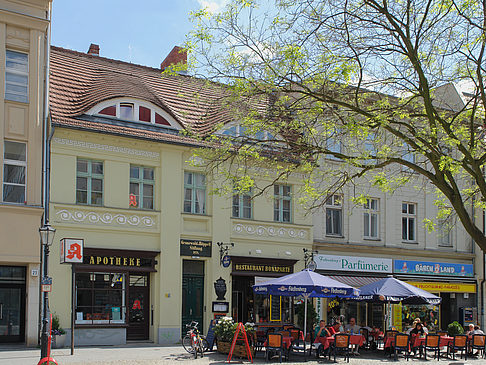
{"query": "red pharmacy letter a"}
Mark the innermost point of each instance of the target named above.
(74, 250)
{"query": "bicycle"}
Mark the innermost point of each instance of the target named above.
(193, 342)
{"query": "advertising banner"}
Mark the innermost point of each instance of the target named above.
(433, 268)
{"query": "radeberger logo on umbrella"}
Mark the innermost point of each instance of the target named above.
(293, 288)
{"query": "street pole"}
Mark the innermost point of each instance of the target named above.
(45, 320)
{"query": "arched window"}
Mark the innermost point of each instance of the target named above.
(135, 110)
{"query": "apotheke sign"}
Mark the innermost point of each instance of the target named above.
(352, 263)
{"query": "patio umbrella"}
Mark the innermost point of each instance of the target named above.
(308, 284)
(391, 290)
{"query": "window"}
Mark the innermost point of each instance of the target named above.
(409, 216)
(334, 144)
(444, 232)
(194, 193)
(126, 111)
(371, 218)
(242, 205)
(133, 111)
(14, 169)
(334, 215)
(100, 298)
(17, 76)
(242, 131)
(89, 182)
(141, 187)
(282, 203)
(409, 156)
(370, 147)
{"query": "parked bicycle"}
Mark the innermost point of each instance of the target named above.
(193, 342)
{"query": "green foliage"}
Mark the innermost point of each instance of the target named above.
(455, 328)
(56, 326)
(311, 315)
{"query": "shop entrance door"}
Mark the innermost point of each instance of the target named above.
(192, 293)
(138, 307)
(12, 304)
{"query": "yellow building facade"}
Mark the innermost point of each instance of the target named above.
(24, 28)
(154, 235)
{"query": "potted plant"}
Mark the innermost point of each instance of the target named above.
(58, 333)
(455, 328)
(224, 332)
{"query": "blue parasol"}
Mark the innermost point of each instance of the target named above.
(308, 284)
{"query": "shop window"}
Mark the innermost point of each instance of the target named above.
(17, 76)
(444, 232)
(334, 215)
(89, 182)
(242, 205)
(100, 298)
(141, 187)
(409, 218)
(371, 218)
(14, 169)
(429, 315)
(282, 203)
(194, 193)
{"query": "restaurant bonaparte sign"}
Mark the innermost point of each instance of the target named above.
(352, 263)
(278, 269)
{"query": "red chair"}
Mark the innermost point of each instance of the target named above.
(402, 344)
(341, 345)
(458, 344)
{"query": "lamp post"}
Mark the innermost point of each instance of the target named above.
(46, 233)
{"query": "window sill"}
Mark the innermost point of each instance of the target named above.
(334, 236)
(410, 242)
(281, 222)
(446, 246)
(107, 325)
(371, 239)
(245, 219)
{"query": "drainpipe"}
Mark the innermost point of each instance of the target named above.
(484, 279)
(45, 152)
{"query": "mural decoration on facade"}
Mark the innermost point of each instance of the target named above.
(105, 147)
(270, 231)
(106, 218)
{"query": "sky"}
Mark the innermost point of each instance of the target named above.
(141, 32)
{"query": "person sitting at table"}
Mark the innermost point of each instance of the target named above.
(417, 331)
(477, 331)
(424, 326)
(470, 329)
(321, 330)
(335, 328)
(352, 327)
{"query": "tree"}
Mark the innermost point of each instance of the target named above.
(369, 83)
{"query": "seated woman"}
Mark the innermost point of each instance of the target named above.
(418, 330)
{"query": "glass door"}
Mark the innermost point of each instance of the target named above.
(11, 313)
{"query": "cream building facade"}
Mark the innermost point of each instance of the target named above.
(24, 28)
(154, 235)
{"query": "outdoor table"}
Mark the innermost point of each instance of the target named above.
(420, 341)
(324, 341)
(287, 340)
(353, 340)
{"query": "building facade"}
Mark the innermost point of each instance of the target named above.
(24, 38)
(160, 250)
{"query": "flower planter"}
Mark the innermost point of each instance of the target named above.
(239, 351)
(58, 341)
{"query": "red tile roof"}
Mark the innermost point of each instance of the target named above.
(79, 81)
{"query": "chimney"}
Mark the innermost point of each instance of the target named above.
(177, 56)
(94, 49)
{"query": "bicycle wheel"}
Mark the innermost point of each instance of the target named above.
(205, 344)
(199, 346)
(187, 344)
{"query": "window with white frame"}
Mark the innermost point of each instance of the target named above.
(371, 218)
(409, 222)
(17, 76)
(282, 203)
(194, 193)
(242, 205)
(238, 130)
(14, 170)
(141, 187)
(334, 215)
(444, 232)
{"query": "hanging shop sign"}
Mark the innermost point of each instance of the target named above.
(196, 248)
(352, 263)
(71, 250)
(445, 287)
(433, 268)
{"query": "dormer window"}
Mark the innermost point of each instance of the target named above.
(135, 110)
(242, 131)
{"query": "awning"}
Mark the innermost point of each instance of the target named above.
(355, 281)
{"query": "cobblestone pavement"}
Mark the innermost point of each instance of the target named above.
(147, 354)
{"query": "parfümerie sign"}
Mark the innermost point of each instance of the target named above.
(353, 263)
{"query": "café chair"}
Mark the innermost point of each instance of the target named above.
(298, 345)
(477, 343)
(402, 344)
(458, 344)
(341, 345)
(389, 334)
(274, 346)
(432, 343)
(260, 340)
(367, 343)
(442, 333)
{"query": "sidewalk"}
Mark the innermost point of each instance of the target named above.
(148, 354)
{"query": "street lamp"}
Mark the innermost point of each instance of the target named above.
(46, 233)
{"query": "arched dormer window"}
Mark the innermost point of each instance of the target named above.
(135, 110)
(238, 130)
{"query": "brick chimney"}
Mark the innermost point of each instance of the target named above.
(94, 49)
(177, 55)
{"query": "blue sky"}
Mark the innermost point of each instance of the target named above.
(142, 32)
